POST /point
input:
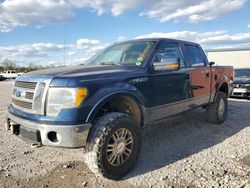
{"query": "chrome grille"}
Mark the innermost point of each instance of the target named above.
(29, 95)
(22, 104)
(23, 94)
(26, 85)
(26, 95)
(240, 86)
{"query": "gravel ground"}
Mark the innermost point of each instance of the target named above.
(183, 151)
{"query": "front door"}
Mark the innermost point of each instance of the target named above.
(168, 90)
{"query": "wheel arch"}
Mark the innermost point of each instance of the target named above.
(222, 87)
(134, 102)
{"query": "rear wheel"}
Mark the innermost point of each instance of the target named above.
(216, 112)
(113, 146)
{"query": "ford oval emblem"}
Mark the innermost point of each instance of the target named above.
(18, 93)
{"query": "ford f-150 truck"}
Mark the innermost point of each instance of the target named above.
(103, 104)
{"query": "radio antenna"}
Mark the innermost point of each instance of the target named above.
(63, 44)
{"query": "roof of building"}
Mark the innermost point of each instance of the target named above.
(228, 49)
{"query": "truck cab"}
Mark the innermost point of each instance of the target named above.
(103, 104)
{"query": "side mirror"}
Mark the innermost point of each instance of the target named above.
(168, 64)
(211, 63)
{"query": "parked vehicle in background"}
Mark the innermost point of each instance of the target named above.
(242, 83)
(103, 105)
(10, 74)
(1, 77)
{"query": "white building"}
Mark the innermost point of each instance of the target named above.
(237, 57)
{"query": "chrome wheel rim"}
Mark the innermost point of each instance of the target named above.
(221, 108)
(119, 147)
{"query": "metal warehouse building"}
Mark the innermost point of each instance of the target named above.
(237, 57)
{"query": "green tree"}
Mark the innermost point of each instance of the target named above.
(7, 64)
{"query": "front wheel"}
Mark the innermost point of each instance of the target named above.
(216, 112)
(113, 146)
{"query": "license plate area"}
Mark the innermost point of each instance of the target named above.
(30, 134)
(240, 90)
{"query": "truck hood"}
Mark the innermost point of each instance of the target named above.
(240, 80)
(87, 72)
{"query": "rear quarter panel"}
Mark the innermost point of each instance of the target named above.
(220, 75)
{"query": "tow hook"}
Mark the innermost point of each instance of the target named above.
(7, 125)
(36, 145)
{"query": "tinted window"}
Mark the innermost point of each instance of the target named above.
(167, 51)
(194, 56)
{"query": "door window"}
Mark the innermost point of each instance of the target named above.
(194, 56)
(168, 50)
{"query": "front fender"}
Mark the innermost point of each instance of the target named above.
(107, 93)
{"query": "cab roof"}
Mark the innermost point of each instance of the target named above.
(158, 40)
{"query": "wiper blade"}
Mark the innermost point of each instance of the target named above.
(107, 63)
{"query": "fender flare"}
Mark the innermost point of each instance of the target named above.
(111, 96)
(219, 86)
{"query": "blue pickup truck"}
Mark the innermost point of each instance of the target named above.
(103, 104)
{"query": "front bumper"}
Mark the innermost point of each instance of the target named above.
(72, 136)
(241, 92)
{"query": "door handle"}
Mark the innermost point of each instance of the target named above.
(207, 74)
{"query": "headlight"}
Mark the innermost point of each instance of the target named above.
(247, 85)
(64, 98)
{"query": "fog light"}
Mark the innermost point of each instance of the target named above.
(53, 137)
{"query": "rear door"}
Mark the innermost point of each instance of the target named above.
(200, 73)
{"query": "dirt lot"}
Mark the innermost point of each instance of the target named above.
(184, 151)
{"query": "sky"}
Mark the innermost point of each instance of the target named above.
(68, 32)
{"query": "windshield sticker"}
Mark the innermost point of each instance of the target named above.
(138, 63)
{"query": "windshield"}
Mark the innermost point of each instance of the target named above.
(129, 53)
(242, 73)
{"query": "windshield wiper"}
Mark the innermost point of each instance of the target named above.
(107, 63)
